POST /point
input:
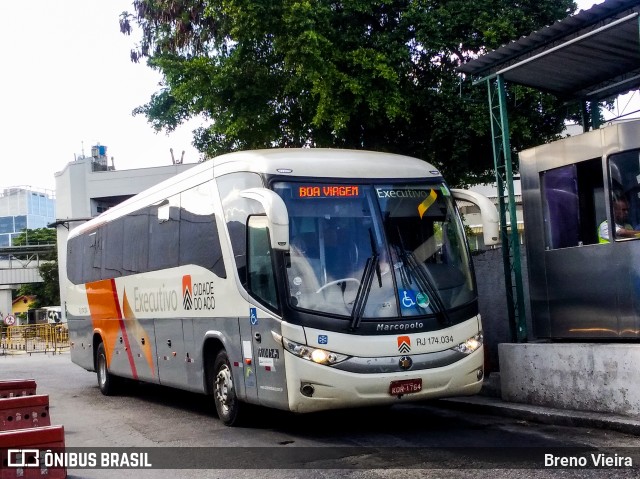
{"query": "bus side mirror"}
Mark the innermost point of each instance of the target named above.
(277, 215)
(488, 212)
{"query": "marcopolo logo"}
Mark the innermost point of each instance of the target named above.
(404, 344)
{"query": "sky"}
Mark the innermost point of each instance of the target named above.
(67, 84)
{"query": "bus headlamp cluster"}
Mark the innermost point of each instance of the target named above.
(470, 345)
(316, 355)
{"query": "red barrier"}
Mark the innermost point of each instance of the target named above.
(17, 387)
(27, 456)
(24, 411)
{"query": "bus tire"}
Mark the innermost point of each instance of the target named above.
(224, 392)
(107, 382)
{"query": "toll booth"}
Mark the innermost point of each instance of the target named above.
(581, 351)
(581, 285)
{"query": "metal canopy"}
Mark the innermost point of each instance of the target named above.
(591, 56)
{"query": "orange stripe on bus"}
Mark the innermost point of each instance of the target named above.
(103, 309)
(103, 302)
(106, 315)
(137, 331)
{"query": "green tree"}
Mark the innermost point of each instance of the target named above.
(369, 74)
(38, 236)
(48, 292)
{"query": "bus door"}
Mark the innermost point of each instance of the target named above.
(263, 368)
(248, 365)
(268, 358)
(268, 361)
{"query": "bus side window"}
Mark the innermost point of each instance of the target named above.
(199, 241)
(236, 211)
(261, 280)
(164, 234)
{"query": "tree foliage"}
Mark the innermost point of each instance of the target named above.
(365, 74)
(38, 236)
(48, 292)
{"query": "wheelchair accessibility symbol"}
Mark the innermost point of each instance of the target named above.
(253, 316)
(407, 301)
(410, 298)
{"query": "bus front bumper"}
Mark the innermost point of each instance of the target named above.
(314, 387)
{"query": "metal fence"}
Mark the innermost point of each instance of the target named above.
(35, 338)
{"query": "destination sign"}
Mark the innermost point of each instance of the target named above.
(328, 191)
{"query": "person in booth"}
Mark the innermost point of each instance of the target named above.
(620, 217)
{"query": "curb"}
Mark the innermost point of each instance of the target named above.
(543, 415)
(12, 352)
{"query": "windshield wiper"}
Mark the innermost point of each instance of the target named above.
(371, 266)
(424, 282)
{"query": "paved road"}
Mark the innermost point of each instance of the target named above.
(375, 443)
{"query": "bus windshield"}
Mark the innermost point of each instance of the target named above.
(375, 251)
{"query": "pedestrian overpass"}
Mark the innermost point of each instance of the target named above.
(19, 265)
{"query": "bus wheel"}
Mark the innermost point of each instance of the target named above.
(106, 381)
(224, 391)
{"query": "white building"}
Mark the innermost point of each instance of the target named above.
(23, 207)
(88, 186)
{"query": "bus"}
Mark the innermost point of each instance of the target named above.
(298, 279)
(45, 315)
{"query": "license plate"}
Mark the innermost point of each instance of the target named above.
(405, 386)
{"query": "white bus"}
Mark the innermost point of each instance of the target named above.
(299, 279)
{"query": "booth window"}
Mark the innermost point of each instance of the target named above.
(624, 185)
(572, 204)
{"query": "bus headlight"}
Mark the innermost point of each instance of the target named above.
(470, 345)
(317, 355)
